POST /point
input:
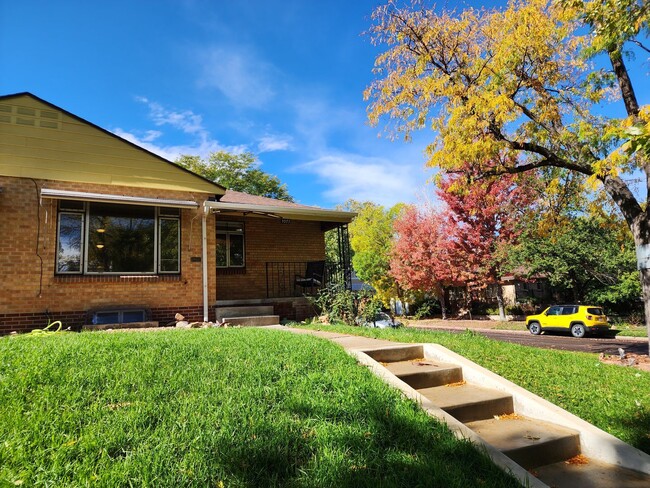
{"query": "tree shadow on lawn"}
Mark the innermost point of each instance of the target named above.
(394, 446)
(639, 425)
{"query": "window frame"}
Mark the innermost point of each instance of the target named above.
(81, 214)
(228, 233)
(85, 219)
(159, 220)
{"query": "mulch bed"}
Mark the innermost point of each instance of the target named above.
(630, 360)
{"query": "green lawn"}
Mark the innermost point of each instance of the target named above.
(613, 398)
(214, 408)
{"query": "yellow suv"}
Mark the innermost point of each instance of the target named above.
(577, 319)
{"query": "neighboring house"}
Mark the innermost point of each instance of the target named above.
(358, 284)
(533, 290)
(91, 222)
(516, 291)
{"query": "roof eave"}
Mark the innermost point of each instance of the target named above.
(298, 213)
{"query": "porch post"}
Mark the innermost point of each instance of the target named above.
(204, 258)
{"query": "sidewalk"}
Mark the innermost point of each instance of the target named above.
(348, 342)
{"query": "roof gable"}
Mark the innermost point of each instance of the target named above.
(40, 140)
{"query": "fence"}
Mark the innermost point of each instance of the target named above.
(281, 278)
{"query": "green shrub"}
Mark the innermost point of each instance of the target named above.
(337, 303)
(425, 308)
(515, 310)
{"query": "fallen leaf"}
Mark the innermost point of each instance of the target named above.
(577, 460)
(508, 416)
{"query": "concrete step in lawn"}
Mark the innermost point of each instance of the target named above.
(592, 473)
(467, 402)
(423, 373)
(530, 443)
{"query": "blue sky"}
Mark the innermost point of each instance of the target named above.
(281, 78)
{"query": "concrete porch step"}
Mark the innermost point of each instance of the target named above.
(243, 311)
(467, 402)
(529, 442)
(253, 320)
(424, 373)
(590, 474)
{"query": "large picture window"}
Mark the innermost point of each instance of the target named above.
(97, 238)
(230, 245)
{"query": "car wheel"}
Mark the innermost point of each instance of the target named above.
(578, 330)
(535, 328)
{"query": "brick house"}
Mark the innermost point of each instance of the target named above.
(94, 226)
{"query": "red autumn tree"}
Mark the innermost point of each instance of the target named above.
(484, 217)
(461, 244)
(421, 257)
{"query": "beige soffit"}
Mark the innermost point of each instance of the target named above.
(103, 197)
(298, 212)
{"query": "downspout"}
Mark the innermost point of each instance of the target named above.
(204, 259)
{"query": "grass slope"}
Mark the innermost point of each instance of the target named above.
(214, 408)
(615, 399)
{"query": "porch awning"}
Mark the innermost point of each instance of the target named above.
(281, 211)
(125, 199)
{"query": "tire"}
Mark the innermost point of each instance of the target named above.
(534, 328)
(578, 330)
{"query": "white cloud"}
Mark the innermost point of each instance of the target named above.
(201, 143)
(239, 74)
(151, 135)
(172, 151)
(270, 143)
(362, 178)
(185, 121)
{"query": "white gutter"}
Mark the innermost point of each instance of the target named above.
(204, 259)
(298, 213)
(105, 197)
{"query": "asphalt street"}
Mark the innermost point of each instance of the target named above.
(565, 342)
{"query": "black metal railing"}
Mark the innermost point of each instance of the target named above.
(281, 278)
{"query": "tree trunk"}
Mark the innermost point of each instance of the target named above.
(645, 287)
(443, 304)
(642, 242)
(502, 308)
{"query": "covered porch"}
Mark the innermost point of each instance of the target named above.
(272, 253)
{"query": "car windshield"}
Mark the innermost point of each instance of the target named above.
(595, 311)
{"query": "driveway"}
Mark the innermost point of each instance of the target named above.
(636, 345)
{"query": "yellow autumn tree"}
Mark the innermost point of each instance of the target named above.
(519, 89)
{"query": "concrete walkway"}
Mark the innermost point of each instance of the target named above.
(348, 342)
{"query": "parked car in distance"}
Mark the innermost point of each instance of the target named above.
(382, 321)
(577, 319)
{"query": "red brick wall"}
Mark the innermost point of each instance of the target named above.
(269, 240)
(28, 295)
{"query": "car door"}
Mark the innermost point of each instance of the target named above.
(551, 317)
(569, 313)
